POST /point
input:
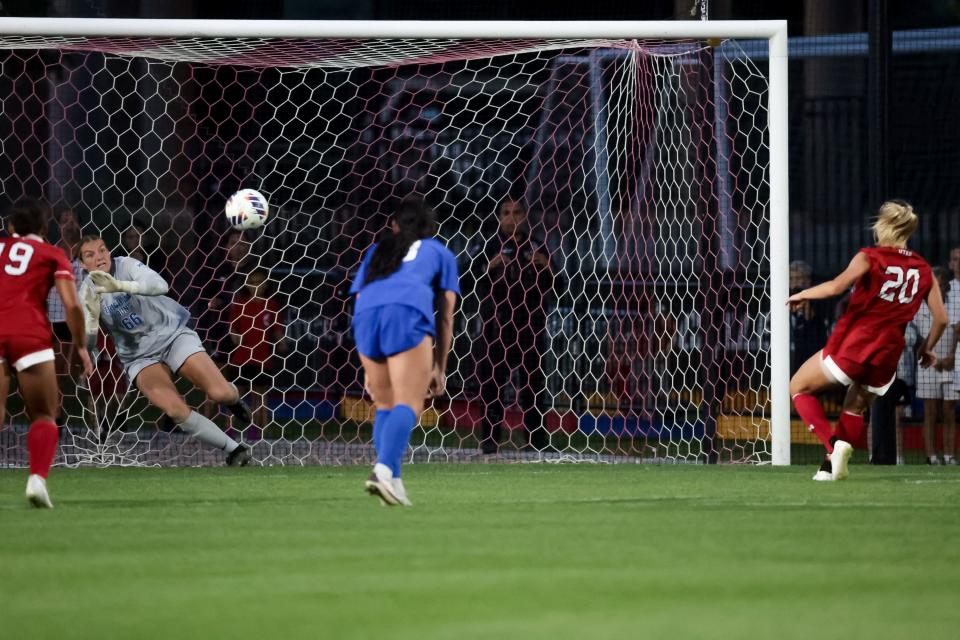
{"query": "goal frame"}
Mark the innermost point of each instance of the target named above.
(773, 31)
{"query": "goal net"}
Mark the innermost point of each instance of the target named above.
(627, 319)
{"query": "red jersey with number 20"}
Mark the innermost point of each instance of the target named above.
(28, 268)
(884, 301)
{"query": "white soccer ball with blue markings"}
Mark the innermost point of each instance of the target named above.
(247, 209)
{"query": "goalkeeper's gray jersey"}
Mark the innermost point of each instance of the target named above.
(140, 325)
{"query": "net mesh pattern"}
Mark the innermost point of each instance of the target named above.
(627, 321)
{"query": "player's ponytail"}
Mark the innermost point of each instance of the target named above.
(414, 221)
(895, 223)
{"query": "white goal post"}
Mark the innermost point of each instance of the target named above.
(596, 52)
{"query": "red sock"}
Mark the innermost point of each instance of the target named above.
(813, 416)
(42, 446)
(850, 427)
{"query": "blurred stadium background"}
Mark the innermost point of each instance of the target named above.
(489, 551)
(842, 163)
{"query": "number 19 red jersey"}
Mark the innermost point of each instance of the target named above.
(885, 299)
(28, 268)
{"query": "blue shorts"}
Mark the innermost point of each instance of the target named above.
(390, 329)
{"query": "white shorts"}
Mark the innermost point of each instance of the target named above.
(935, 385)
(31, 359)
(184, 344)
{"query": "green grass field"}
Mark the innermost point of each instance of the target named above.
(489, 551)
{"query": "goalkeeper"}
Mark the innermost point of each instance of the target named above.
(153, 342)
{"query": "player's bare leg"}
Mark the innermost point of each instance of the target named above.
(930, 407)
(377, 383)
(849, 429)
(156, 383)
(410, 375)
(203, 372)
(38, 386)
(949, 432)
(810, 379)
(398, 385)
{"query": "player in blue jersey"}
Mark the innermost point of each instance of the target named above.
(154, 342)
(402, 280)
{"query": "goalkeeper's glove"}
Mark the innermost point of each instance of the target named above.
(106, 283)
(91, 311)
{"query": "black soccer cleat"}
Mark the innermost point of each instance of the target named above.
(241, 412)
(239, 457)
(166, 424)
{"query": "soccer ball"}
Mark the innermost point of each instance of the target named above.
(247, 209)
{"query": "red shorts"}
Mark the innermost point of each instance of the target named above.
(22, 352)
(877, 378)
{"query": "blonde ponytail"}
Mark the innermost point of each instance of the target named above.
(895, 223)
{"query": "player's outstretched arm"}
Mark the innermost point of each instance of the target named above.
(935, 302)
(90, 301)
(857, 267)
(141, 280)
(75, 321)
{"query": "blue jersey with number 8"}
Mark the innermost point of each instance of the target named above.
(428, 269)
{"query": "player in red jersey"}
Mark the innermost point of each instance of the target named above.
(29, 267)
(890, 281)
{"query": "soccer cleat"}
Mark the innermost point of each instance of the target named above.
(840, 459)
(933, 460)
(825, 472)
(380, 484)
(401, 492)
(949, 461)
(239, 457)
(241, 412)
(166, 424)
(37, 492)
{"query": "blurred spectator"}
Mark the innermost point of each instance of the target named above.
(809, 324)
(955, 293)
(224, 278)
(514, 280)
(347, 238)
(935, 386)
(256, 332)
(132, 240)
(223, 275)
(69, 230)
(176, 258)
(954, 265)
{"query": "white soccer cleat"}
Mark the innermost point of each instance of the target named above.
(37, 492)
(823, 476)
(380, 484)
(400, 491)
(840, 459)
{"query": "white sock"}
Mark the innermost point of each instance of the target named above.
(205, 431)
